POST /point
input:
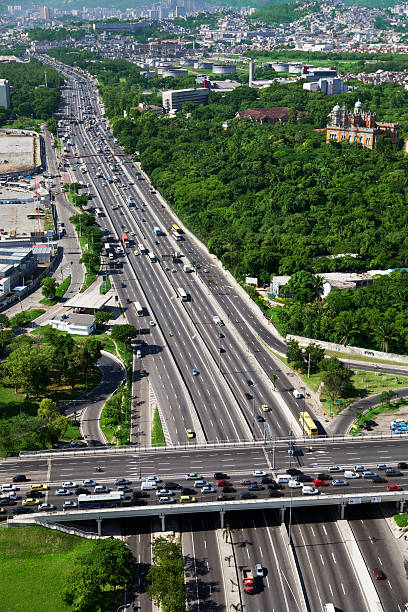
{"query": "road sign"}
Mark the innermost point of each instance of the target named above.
(338, 401)
(354, 500)
(376, 500)
(323, 400)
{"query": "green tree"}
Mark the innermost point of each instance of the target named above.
(49, 287)
(27, 368)
(273, 378)
(102, 317)
(165, 577)
(124, 333)
(57, 423)
(314, 355)
(81, 589)
(294, 355)
(339, 384)
(303, 286)
(4, 320)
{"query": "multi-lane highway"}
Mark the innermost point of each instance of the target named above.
(185, 337)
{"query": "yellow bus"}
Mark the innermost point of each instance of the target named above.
(307, 424)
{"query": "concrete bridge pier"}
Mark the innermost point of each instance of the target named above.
(163, 521)
(282, 514)
(400, 506)
(99, 523)
(222, 518)
(342, 508)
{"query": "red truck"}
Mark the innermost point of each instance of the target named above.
(248, 580)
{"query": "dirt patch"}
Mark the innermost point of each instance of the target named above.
(384, 420)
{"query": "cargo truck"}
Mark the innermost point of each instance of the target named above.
(248, 580)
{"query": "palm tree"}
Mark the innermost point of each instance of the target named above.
(227, 533)
(237, 607)
(273, 378)
(228, 560)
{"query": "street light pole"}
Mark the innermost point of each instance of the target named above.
(253, 416)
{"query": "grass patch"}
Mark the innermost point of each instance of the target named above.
(90, 277)
(35, 561)
(158, 438)
(59, 293)
(401, 519)
(24, 317)
(102, 289)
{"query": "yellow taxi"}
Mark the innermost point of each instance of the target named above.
(187, 499)
(190, 433)
(39, 487)
(265, 408)
(30, 501)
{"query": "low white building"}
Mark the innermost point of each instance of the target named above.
(331, 280)
(74, 323)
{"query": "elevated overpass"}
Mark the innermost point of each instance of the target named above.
(162, 510)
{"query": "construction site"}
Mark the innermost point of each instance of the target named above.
(20, 152)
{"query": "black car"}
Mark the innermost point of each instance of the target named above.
(250, 382)
(402, 465)
(188, 491)
(304, 478)
(248, 395)
(140, 494)
(20, 478)
(274, 486)
(35, 494)
(267, 480)
(256, 487)
(259, 418)
(220, 476)
(248, 495)
(172, 485)
(246, 481)
(82, 491)
(324, 477)
(6, 501)
(138, 502)
(378, 479)
(228, 489)
(22, 510)
(275, 493)
(392, 472)
(293, 471)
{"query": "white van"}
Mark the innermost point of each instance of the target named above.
(110, 255)
(281, 478)
(148, 486)
(297, 394)
(138, 353)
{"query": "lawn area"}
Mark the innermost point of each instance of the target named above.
(35, 561)
(158, 438)
(401, 519)
(29, 315)
(59, 293)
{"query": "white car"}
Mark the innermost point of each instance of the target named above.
(101, 489)
(136, 252)
(89, 483)
(166, 500)
(193, 476)
(153, 479)
(152, 323)
(69, 484)
(207, 489)
(259, 473)
(294, 484)
(46, 507)
(201, 483)
(349, 474)
(164, 492)
(307, 490)
(8, 487)
(70, 504)
(63, 492)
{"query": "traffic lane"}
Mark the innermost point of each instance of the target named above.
(209, 391)
(326, 569)
(396, 369)
(202, 565)
(138, 537)
(379, 549)
(36, 470)
(257, 539)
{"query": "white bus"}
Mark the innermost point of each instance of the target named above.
(138, 309)
(107, 500)
(182, 294)
(152, 256)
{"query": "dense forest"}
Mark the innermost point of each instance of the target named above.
(29, 96)
(375, 317)
(60, 34)
(276, 14)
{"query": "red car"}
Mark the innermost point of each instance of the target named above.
(319, 483)
(394, 488)
(223, 483)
